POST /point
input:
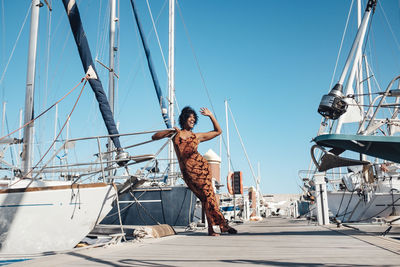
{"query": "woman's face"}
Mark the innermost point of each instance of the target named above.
(190, 122)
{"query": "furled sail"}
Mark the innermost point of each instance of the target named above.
(87, 61)
(160, 97)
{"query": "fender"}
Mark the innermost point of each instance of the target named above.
(229, 182)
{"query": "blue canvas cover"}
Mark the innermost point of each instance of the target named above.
(87, 61)
(160, 97)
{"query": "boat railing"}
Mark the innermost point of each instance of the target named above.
(104, 167)
(374, 123)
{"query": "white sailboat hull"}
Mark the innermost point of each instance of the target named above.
(356, 208)
(52, 217)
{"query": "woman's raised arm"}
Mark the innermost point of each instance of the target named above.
(211, 134)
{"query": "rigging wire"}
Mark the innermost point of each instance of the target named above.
(101, 40)
(158, 39)
(347, 206)
(47, 57)
(57, 67)
(117, 61)
(42, 113)
(200, 71)
(341, 43)
(195, 57)
(376, 106)
(150, 65)
(98, 28)
(159, 43)
(144, 209)
(38, 143)
(56, 138)
(389, 25)
(122, 210)
(365, 94)
(134, 72)
(376, 81)
(3, 37)
(244, 149)
(12, 148)
(15, 45)
(176, 103)
(39, 135)
(62, 128)
(369, 29)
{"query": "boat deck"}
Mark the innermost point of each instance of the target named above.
(272, 242)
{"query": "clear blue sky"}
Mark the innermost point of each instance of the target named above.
(273, 60)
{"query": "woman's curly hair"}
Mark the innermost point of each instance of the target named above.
(185, 114)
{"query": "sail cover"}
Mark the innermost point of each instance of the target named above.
(384, 147)
(87, 61)
(160, 97)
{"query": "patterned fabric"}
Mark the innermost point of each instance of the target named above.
(197, 175)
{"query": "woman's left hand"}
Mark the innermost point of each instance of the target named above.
(205, 112)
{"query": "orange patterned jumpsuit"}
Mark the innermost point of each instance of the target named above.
(197, 175)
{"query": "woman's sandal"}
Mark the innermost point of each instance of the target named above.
(232, 231)
(229, 230)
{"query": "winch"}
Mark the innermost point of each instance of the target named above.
(332, 105)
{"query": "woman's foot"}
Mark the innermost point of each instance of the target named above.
(213, 230)
(213, 234)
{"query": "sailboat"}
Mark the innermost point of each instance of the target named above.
(39, 215)
(369, 191)
(47, 207)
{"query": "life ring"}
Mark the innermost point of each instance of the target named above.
(229, 182)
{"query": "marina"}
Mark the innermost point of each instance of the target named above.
(272, 242)
(170, 133)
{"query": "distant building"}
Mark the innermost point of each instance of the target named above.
(281, 204)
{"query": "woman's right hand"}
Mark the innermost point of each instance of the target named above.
(164, 133)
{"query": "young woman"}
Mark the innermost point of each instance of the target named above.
(195, 169)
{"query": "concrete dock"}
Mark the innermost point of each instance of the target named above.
(272, 242)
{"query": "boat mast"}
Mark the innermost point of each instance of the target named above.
(27, 155)
(359, 39)
(360, 84)
(258, 193)
(171, 84)
(356, 63)
(111, 82)
(227, 137)
(55, 132)
(229, 157)
(332, 105)
(19, 136)
(3, 119)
